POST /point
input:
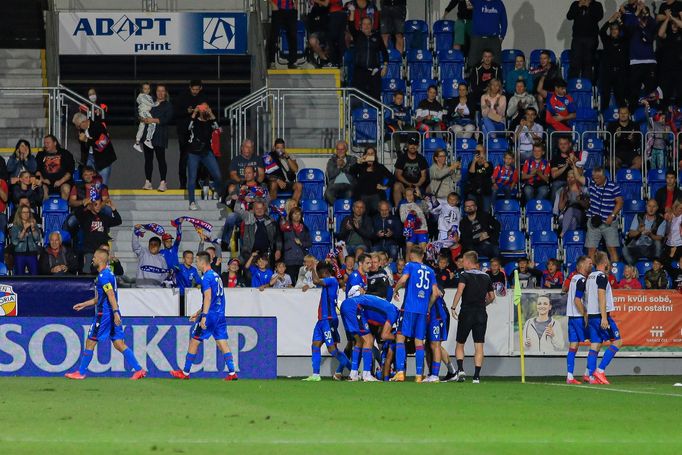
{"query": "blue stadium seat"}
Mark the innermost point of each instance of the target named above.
(315, 214)
(419, 64)
(496, 150)
(509, 59)
(513, 244)
(581, 91)
(465, 148)
(617, 269)
(574, 245)
(3, 269)
(485, 265)
(55, 212)
(416, 34)
(389, 86)
(349, 65)
(509, 268)
(342, 208)
(321, 244)
(535, 57)
(642, 268)
(544, 245)
(450, 64)
(631, 208)
(431, 145)
(565, 62)
(284, 43)
(418, 89)
(569, 267)
(443, 34)
(364, 126)
(450, 88)
(656, 180)
(313, 183)
(395, 64)
(594, 147)
(630, 181)
(508, 213)
(2, 250)
(539, 215)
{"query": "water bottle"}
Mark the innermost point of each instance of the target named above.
(204, 192)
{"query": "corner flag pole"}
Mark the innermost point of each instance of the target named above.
(519, 314)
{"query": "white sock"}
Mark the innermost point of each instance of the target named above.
(599, 370)
(587, 372)
(569, 376)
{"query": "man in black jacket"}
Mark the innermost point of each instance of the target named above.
(356, 229)
(585, 15)
(479, 231)
(96, 225)
(615, 62)
(369, 52)
(386, 230)
(184, 107)
(666, 196)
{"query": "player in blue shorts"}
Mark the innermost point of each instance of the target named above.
(326, 329)
(421, 289)
(438, 326)
(107, 323)
(577, 314)
(209, 320)
(356, 284)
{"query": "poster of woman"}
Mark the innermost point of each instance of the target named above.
(545, 323)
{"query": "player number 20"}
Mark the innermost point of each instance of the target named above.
(424, 281)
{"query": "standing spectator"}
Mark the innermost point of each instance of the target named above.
(430, 112)
(493, 109)
(615, 64)
(336, 31)
(444, 178)
(656, 278)
(55, 168)
(528, 132)
(80, 197)
(296, 242)
(95, 225)
(571, 204)
(386, 231)
(28, 187)
(668, 195)
(358, 11)
(547, 69)
(412, 214)
(641, 29)
(373, 179)
(668, 8)
(234, 277)
(161, 115)
(379, 282)
(340, 179)
(371, 60)
(245, 159)
(305, 273)
(585, 15)
(519, 73)
(280, 171)
(488, 29)
(356, 229)
(561, 164)
(97, 151)
(535, 175)
(460, 113)
(261, 234)
(646, 235)
(393, 14)
(479, 184)
(92, 111)
(244, 196)
(482, 74)
(21, 160)
(670, 56)
(149, 257)
(559, 107)
(673, 241)
(284, 16)
(462, 24)
(627, 140)
(479, 231)
(317, 24)
(517, 105)
(606, 203)
(56, 259)
(185, 105)
(410, 172)
(25, 237)
(280, 278)
(199, 151)
(505, 178)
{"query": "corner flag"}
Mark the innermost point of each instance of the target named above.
(519, 314)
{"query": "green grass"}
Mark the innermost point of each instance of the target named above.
(500, 416)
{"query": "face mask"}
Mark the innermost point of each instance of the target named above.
(92, 98)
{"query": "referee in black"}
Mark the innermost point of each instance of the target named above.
(475, 290)
(369, 53)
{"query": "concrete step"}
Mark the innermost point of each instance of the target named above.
(208, 206)
(20, 53)
(11, 99)
(24, 112)
(13, 72)
(23, 122)
(29, 81)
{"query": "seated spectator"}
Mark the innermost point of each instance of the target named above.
(372, 180)
(4, 199)
(571, 204)
(28, 187)
(234, 277)
(239, 163)
(80, 196)
(646, 235)
(55, 167)
(479, 231)
(296, 242)
(482, 74)
(244, 195)
(535, 175)
(445, 276)
(261, 234)
(260, 272)
(21, 160)
(415, 227)
(519, 73)
(630, 279)
(149, 257)
(280, 279)
(444, 178)
(56, 259)
(201, 127)
(25, 238)
(505, 178)
(549, 71)
(517, 105)
(356, 229)
(493, 108)
(528, 132)
(460, 113)
(430, 113)
(627, 140)
(97, 150)
(553, 278)
(667, 195)
(656, 278)
(410, 172)
(386, 231)
(305, 273)
(280, 171)
(400, 120)
(559, 106)
(561, 164)
(340, 179)
(479, 185)
(529, 276)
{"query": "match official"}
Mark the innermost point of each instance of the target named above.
(475, 290)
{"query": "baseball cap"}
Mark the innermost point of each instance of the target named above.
(413, 140)
(166, 236)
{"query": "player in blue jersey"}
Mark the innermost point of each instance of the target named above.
(107, 323)
(209, 320)
(577, 315)
(356, 284)
(436, 333)
(421, 290)
(326, 329)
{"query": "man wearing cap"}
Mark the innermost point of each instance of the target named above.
(410, 172)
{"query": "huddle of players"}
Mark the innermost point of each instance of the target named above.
(589, 304)
(423, 317)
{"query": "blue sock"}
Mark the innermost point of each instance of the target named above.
(608, 356)
(419, 359)
(85, 361)
(435, 368)
(341, 357)
(229, 361)
(400, 357)
(367, 360)
(592, 361)
(317, 359)
(130, 358)
(570, 360)
(355, 363)
(189, 360)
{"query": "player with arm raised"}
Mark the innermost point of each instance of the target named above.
(107, 323)
(209, 320)
(356, 285)
(577, 314)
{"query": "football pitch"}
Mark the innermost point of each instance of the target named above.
(52, 416)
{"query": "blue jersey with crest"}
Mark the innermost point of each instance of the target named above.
(355, 279)
(418, 287)
(212, 281)
(327, 308)
(106, 281)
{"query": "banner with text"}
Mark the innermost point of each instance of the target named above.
(53, 346)
(138, 33)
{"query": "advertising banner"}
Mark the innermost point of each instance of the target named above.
(29, 296)
(139, 33)
(53, 346)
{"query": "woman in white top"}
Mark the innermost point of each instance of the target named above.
(674, 238)
(493, 108)
(543, 333)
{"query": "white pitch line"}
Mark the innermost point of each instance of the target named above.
(611, 389)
